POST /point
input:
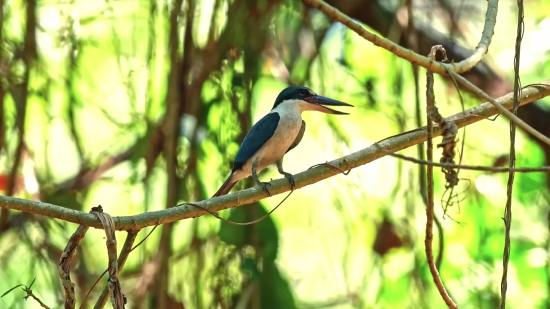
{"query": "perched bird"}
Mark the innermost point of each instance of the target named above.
(276, 134)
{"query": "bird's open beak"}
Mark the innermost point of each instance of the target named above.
(319, 103)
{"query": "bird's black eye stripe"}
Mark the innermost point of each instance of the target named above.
(303, 92)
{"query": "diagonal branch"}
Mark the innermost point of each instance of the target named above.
(353, 160)
(407, 54)
(504, 110)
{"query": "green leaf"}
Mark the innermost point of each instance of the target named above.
(30, 286)
(8, 291)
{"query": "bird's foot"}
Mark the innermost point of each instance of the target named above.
(290, 178)
(264, 186)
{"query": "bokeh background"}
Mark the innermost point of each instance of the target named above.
(138, 105)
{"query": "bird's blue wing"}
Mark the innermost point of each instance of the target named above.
(260, 133)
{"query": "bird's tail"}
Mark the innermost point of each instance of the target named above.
(226, 187)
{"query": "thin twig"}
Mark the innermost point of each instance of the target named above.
(31, 295)
(92, 287)
(466, 167)
(430, 102)
(508, 208)
(345, 173)
(240, 223)
(144, 238)
(64, 266)
(250, 195)
(430, 110)
(412, 37)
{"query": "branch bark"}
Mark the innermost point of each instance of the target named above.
(353, 160)
(407, 54)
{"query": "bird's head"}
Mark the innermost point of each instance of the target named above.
(305, 99)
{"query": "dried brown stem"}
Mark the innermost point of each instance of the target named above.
(431, 111)
(508, 208)
(124, 253)
(467, 167)
(64, 266)
(117, 298)
(31, 295)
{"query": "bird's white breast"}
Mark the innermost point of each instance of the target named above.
(285, 134)
(275, 148)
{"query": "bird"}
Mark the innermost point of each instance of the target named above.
(278, 132)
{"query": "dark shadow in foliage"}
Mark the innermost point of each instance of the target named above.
(275, 291)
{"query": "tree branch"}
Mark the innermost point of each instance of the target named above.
(407, 54)
(356, 159)
(505, 111)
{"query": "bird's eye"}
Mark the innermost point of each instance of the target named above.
(303, 92)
